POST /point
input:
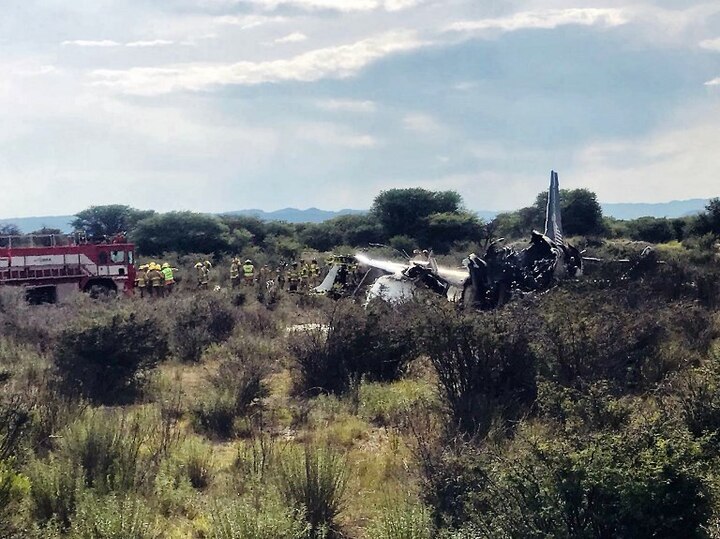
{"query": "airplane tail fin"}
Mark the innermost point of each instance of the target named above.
(553, 218)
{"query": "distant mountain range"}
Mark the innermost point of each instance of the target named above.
(676, 208)
(293, 215)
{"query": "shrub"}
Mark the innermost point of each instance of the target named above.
(256, 459)
(113, 517)
(13, 489)
(56, 486)
(197, 461)
(238, 385)
(15, 421)
(698, 394)
(646, 481)
(404, 520)
(215, 414)
(390, 404)
(244, 364)
(314, 481)
(113, 452)
(200, 321)
(589, 408)
(604, 336)
(52, 413)
(267, 520)
(376, 344)
(105, 360)
(485, 367)
(258, 320)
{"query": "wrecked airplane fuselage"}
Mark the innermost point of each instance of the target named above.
(505, 272)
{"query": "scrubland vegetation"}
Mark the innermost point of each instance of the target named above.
(589, 411)
(592, 410)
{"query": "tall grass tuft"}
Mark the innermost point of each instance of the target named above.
(404, 520)
(113, 451)
(197, 459)
(56, 485)
(262, 519)
(315, 481)
(114, 517)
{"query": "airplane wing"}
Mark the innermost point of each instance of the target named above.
(329, 280)
(387, 266)
(453, 276)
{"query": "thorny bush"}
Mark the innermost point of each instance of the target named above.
(484, 363)
(376, 344)
(106, 359)
(198, 322)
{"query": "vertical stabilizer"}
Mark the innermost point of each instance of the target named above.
(553, 219)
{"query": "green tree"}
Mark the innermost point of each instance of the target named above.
(182, 232)
(443, 229)
(651, 229)
(99, 221)
(355, 230)
(320, 236)
(257, 227)
(9, 230)
(709, 221)
(520, 223)
(581, 211)
(404, 212)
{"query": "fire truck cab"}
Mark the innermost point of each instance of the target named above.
(53, 266)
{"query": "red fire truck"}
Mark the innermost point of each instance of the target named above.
(53, 266)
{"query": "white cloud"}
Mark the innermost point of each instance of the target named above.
(420, 123)
(106, 43)
(246, 22)
(153, 43)
(347, 105)
(544, 19)
(465, 86)
(713, 82)
(333, 135)
(38, 71)
(295, 37)
(711, 44)
(339, 5)
(333, 62)
(676, 162)
(91, 43)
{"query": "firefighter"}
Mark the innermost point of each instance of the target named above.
(169, 274)
(264, 275)
(248, 270)
(304, 274)
(235, 272)
(280, 277)
(203, 275)
(293, 277)
(157, 280)
(314, 272)
(141, 279)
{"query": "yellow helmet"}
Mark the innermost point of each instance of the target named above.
(165, 265)
(208, 264)
(143, 267)
(199, 265)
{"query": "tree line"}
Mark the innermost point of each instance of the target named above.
(404, 219)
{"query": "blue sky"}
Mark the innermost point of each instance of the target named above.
(216, 105)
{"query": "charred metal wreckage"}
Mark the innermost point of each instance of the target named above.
(484, 283)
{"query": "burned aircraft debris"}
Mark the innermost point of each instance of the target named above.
(484, 283)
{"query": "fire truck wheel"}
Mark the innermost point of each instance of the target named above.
(101, 291)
